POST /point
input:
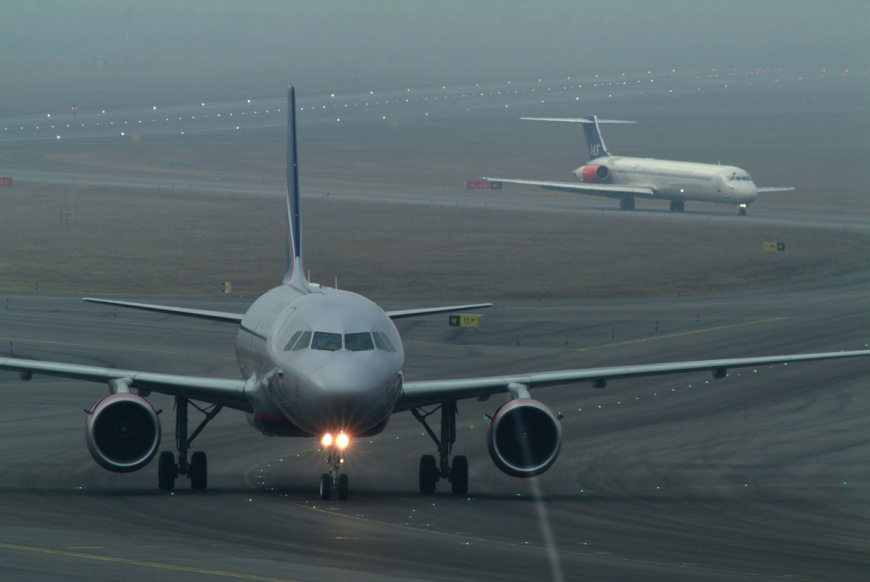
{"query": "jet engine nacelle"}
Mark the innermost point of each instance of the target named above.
(596, 173)
(524, 438)
(123, 433)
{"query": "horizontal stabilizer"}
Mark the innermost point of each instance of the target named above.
(433, 310)
(575, 120)
(200, 313)
(594, 141)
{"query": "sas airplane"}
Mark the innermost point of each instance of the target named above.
(629, 178)
(327, 364)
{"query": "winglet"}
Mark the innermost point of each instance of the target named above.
(295, 274)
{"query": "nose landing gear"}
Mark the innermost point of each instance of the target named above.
(334, 480)
(432, 472)
(742, 210)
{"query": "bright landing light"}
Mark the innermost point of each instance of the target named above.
(341, 440)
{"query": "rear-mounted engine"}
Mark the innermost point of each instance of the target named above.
(596, 173)
(123, 433)
(524, 438)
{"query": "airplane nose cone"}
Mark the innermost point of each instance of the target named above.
(351, 396)
(345, 377)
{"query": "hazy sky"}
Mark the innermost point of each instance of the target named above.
(394, 42)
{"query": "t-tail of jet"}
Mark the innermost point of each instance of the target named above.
(594, 141)
(295, 274)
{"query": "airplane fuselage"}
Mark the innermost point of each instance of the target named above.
(328, 361)
(672, 180)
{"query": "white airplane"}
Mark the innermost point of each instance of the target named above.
(629, 178)
(327, 364)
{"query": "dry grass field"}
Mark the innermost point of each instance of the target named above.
(160, 243)
(173, 243)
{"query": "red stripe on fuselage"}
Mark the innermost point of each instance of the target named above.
(269, 417)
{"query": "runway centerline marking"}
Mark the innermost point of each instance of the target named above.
(162, 566)
(513, 544)
(612, 344)
(681, 334)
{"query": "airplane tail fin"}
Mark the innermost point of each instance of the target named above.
(295, 274)
(594, 141)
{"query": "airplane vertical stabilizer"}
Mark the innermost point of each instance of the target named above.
(594, 141)
(295, 274)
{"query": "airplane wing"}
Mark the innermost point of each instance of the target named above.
(230, 393)
(200, 313)
(428, 393)
(782, 189)
(609, 190)
(237, 317)
(432, 310)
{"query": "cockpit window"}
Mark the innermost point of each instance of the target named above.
(358, 342)
(303, 341)
(379, 342)
(326, 341)
(292, 341)
(383, 342)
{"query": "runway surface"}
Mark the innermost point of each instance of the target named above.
(762, 475)
(544, 202)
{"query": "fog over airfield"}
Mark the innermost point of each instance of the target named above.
(245, 48)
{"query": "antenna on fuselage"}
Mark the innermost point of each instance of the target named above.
(295, 274)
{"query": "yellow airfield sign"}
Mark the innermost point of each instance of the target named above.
(464, 320)
(774, 246)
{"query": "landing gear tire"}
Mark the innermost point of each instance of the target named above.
(428, 474)
(741, 212)
(166, 471)
(342, 487)
(325, 486)
(459, 475)
(677, 205)
(431, 471)
(627, 203)
(198, 471)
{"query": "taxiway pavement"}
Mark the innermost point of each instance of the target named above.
(762, 475)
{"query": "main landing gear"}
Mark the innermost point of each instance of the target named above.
(334, 479)
(626, 203)
(197, 469)
(432, 472)
(677, 205)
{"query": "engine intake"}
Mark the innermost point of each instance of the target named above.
(597, 173)
(123, 433)
(524, 438)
